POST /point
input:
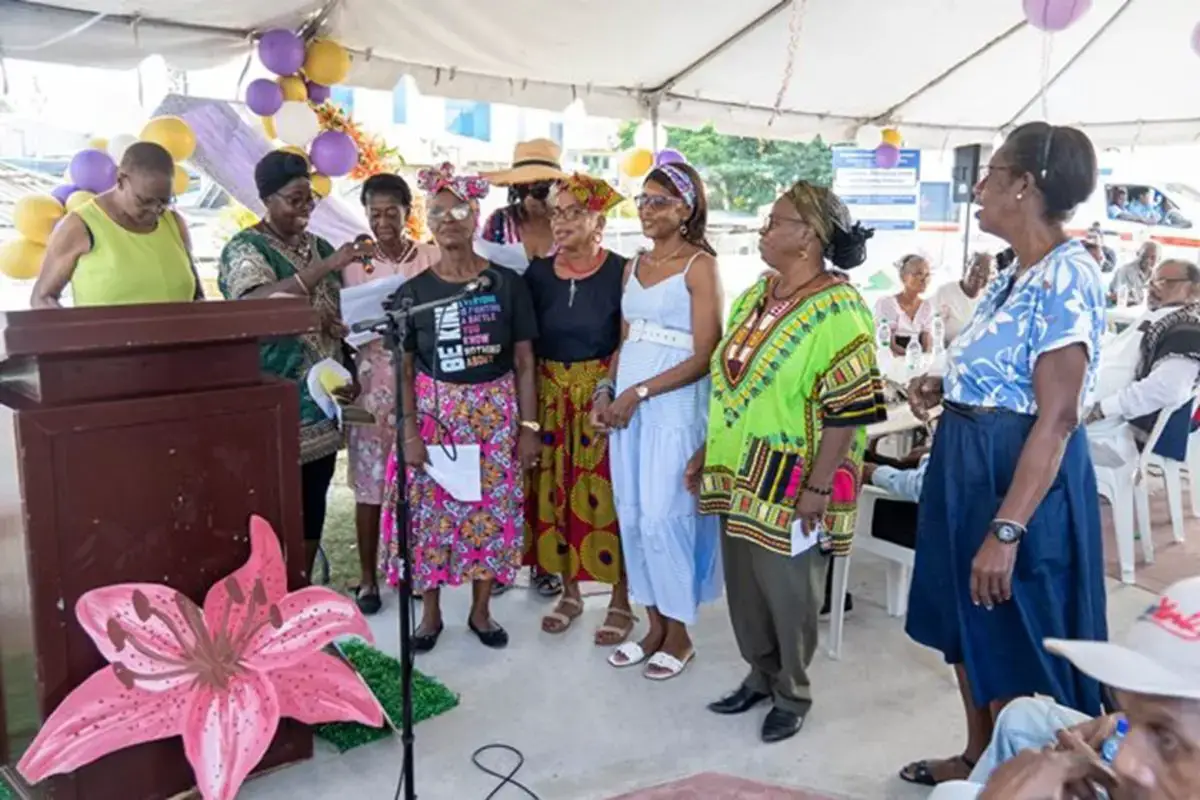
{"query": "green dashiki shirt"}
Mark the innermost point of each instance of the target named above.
(784, 371)
(256, 257)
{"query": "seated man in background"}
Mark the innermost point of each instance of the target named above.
(1105, 256)
(895, 518)
(1151, 749)
(1150, 366)
(956, 301)
(1134, 276)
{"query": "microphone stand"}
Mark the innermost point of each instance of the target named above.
(392, 326)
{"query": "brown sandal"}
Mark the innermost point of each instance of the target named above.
(621, 633)
(565, 612)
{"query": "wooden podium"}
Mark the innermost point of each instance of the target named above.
(145, 437)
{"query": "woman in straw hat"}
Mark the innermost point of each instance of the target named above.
(525, 221)
(570, 517)
(526, 218)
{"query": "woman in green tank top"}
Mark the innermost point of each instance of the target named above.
(126, 246)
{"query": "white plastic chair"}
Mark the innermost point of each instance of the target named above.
(1125, 489)
(899, 568)
(1193, 468)
(1172, 478)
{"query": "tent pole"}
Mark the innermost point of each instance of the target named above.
(655, 144)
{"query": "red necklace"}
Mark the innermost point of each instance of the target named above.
(569, 270)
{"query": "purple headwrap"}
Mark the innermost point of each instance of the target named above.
(682, 183)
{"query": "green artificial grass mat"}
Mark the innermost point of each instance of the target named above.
(381, 673)
(6, 793)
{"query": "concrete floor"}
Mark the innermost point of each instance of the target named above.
(589, 732)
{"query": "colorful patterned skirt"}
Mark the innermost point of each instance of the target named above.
(571, 522)
(452, 541)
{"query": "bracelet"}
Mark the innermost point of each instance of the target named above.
(816, 491)
(605, 385)
(303, 287)
(603, 390)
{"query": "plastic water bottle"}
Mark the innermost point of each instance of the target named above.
(913, 357)
(1108, 750)
(1123, 297)
(937, 330)
(883, 335)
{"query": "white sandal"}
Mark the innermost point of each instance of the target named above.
(668, 662)
(632, 652)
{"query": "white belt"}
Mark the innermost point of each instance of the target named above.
(641, 330)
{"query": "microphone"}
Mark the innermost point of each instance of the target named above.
(480, 284)
(364, 238)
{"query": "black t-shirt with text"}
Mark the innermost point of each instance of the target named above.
(470, 340)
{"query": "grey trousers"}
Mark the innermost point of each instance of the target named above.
(774, 601)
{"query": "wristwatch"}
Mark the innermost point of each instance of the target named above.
(1007, 532)
(531, 425)
(642, 392)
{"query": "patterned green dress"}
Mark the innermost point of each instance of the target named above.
(256, 257)
(785, 371)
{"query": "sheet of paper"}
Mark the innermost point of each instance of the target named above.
(804, 540)
(364, 302)
(512, 255)
(460, 475)
(319, 378)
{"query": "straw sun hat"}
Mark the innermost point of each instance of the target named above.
(533, 161)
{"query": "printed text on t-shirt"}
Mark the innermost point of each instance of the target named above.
(465, 331)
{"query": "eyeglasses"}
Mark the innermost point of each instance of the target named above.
(772, 221)
(1156, 281)
(298, 202)
(569, 214)
(538, 191)
(656, 202)
(458, 213)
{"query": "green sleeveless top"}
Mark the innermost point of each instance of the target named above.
(124, 267)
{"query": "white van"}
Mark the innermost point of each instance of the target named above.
(1175, 210)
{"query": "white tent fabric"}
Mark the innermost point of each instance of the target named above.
(946, 71)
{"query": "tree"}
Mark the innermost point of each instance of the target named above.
(743, 173)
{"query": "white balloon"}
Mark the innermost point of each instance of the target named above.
(118, 144)
(868, 137)
(296, 123)
(643, 137)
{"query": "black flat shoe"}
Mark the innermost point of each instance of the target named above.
(495, 638)
(424, 642)
(738, 702)
(780, 725)
(368, 602)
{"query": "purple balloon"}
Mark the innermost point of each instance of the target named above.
(1196, 39)
(333, 153)
(281, 51)
(61, 193)
(669, 156)
(1055, 15)
(316, 92)
(264, 97)
(887, 156)
(93, 171)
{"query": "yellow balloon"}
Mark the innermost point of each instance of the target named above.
(293, 88)
(326, 62)
(268, 124)
(35, 215)
(291, 148)
(21, 259)
(173, 134)
(892, 136)
(181, 181)
(322, 185)
(99, 143)
(79, 199)
(637, 163)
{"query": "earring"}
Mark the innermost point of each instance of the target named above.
(683, 229)
(1020, 195)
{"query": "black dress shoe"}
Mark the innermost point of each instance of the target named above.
(780, 725)
(738, 702)
(495, 638)
(424, 642)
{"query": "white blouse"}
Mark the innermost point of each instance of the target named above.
(888, 309)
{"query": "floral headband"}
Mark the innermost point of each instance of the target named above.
(682, 183)
(593, 193)
(464, 187)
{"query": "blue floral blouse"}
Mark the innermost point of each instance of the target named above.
(1058, 302)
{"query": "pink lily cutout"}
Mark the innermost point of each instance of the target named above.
(220, 677)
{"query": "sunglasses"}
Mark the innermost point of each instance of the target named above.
(656, 202)
(457, 213)
(538, 191)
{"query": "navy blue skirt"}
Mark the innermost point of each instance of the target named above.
(1058, 581)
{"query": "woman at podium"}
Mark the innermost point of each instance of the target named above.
(278, 256)
(126, 246)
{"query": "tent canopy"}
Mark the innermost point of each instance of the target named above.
(947, 72)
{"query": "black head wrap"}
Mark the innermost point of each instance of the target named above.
(276, 170)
